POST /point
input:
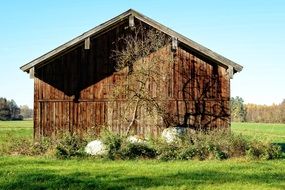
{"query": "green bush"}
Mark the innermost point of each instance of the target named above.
(187, 153)
(43, 147)
(137, 150)
(264, 151)
(235, 145)
(209, 145)
(216, 144)
(166, 151)
(113, 144)
(119, 147)
(218, 153)
(70, 145)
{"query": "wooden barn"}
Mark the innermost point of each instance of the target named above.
(73, 82)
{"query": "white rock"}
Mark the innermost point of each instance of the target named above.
(96, 147)
(135, 139)
(173, 134)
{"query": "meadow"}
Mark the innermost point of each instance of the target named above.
(16, 129)
(23, 172)
(261, 131)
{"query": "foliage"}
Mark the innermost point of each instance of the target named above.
(265, 151)
(137, 150)
(217, 144)
(9, 110)
(26, 112)
(65, 146)
(113, 143)
(241, 112)
(196, 145)
(238, 110)
(166, 151)
(266, 114)
(201, 145)
(121, 148)
(69, 145)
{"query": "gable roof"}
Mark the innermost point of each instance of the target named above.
(181, 39)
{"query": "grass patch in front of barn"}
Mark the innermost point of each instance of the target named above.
(41, 173)
(27, 172)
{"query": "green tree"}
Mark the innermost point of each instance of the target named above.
(4, 110)
(238, 110)
(14, 110)
(9, 110)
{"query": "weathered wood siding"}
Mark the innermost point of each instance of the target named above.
(201, 88)
(72, 91)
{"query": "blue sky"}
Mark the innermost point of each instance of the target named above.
(249, 32)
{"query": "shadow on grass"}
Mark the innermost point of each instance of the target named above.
(48, 179)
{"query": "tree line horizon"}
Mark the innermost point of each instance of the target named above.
(240, 111)
(9, 110)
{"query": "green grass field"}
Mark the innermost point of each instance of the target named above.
(20, 172)
(40, 173)
(15, 129)
(270, 132)
(261, 131)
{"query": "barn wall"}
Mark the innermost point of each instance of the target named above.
(201, 88)
(72, 91)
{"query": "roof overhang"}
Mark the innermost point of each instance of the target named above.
(198, 48)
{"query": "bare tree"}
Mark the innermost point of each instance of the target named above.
(144, 57)
(145, 60)
(26, 112)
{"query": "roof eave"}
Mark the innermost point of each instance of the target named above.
(193, 45)
(76, 40)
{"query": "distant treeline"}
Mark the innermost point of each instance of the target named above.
(257, 113)
(9, 110)
(240, 112)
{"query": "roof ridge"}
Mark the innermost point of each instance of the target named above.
(190, 43)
